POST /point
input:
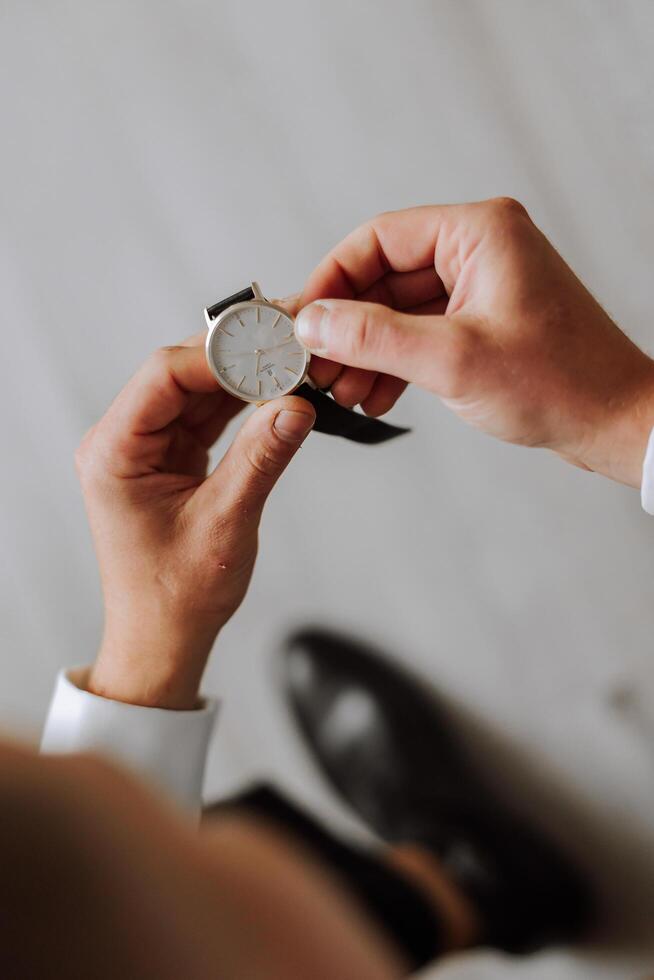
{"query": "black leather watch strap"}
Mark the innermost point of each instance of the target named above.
(241, 297)
(335, 420)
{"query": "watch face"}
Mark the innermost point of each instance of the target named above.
(253, 352)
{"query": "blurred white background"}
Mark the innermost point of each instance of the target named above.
(158, 154)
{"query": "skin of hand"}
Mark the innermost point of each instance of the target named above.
(472, 303)
(176, 545)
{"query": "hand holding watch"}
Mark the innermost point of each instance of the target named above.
(254, 354)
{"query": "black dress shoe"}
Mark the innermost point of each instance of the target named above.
(389, 751)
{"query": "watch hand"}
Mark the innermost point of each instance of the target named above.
(267, 350)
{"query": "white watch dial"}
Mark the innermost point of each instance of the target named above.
(254, 353)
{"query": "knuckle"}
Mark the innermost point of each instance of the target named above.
(382, 218)
(81, 458)
(158, 372)
(360, 331)
(366, 235)
(158, 367)
(507, 210)
(84, 453)
(264, 461)
(363, 231)
(161, 356)
(379, 220)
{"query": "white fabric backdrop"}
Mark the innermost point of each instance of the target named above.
(157, 155)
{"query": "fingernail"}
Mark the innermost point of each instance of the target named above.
(311, 327)
(292, 426)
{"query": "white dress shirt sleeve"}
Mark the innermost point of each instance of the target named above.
(647, 484)
(166, 747)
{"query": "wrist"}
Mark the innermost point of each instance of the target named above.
(159, 667)
(621, 450)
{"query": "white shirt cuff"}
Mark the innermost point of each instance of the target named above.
(647, 484)
(166, 747)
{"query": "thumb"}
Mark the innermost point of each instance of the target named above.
(420, 349)
(261, 451)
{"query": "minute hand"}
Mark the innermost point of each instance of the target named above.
(267, 350)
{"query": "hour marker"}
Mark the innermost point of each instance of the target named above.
(277, 384)
(288, 336)
(226, 331)
(258, 309)
(290, 370)
(259, 386)
(238, 386)
(228, 367)
(277, 319)
(239, 319)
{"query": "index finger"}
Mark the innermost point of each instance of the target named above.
(398, 241)
(161, 389)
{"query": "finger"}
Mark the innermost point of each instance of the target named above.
(374, 392)
(323, 373)
(421, 349)
(352, 386)
(195, 340)
(212, 417)
(398, 241)
(202, 407)
(385, 392)
(387, 389)
(258, 456)
(402, 290)
(198, 407)
(355, 386)
(290, 303)
(435, 307)
(136, 432)
(161, 390)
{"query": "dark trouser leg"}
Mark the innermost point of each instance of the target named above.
(395, 905)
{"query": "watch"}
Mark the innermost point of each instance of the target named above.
(254, 355)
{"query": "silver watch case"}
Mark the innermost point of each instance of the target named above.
(258, 300)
